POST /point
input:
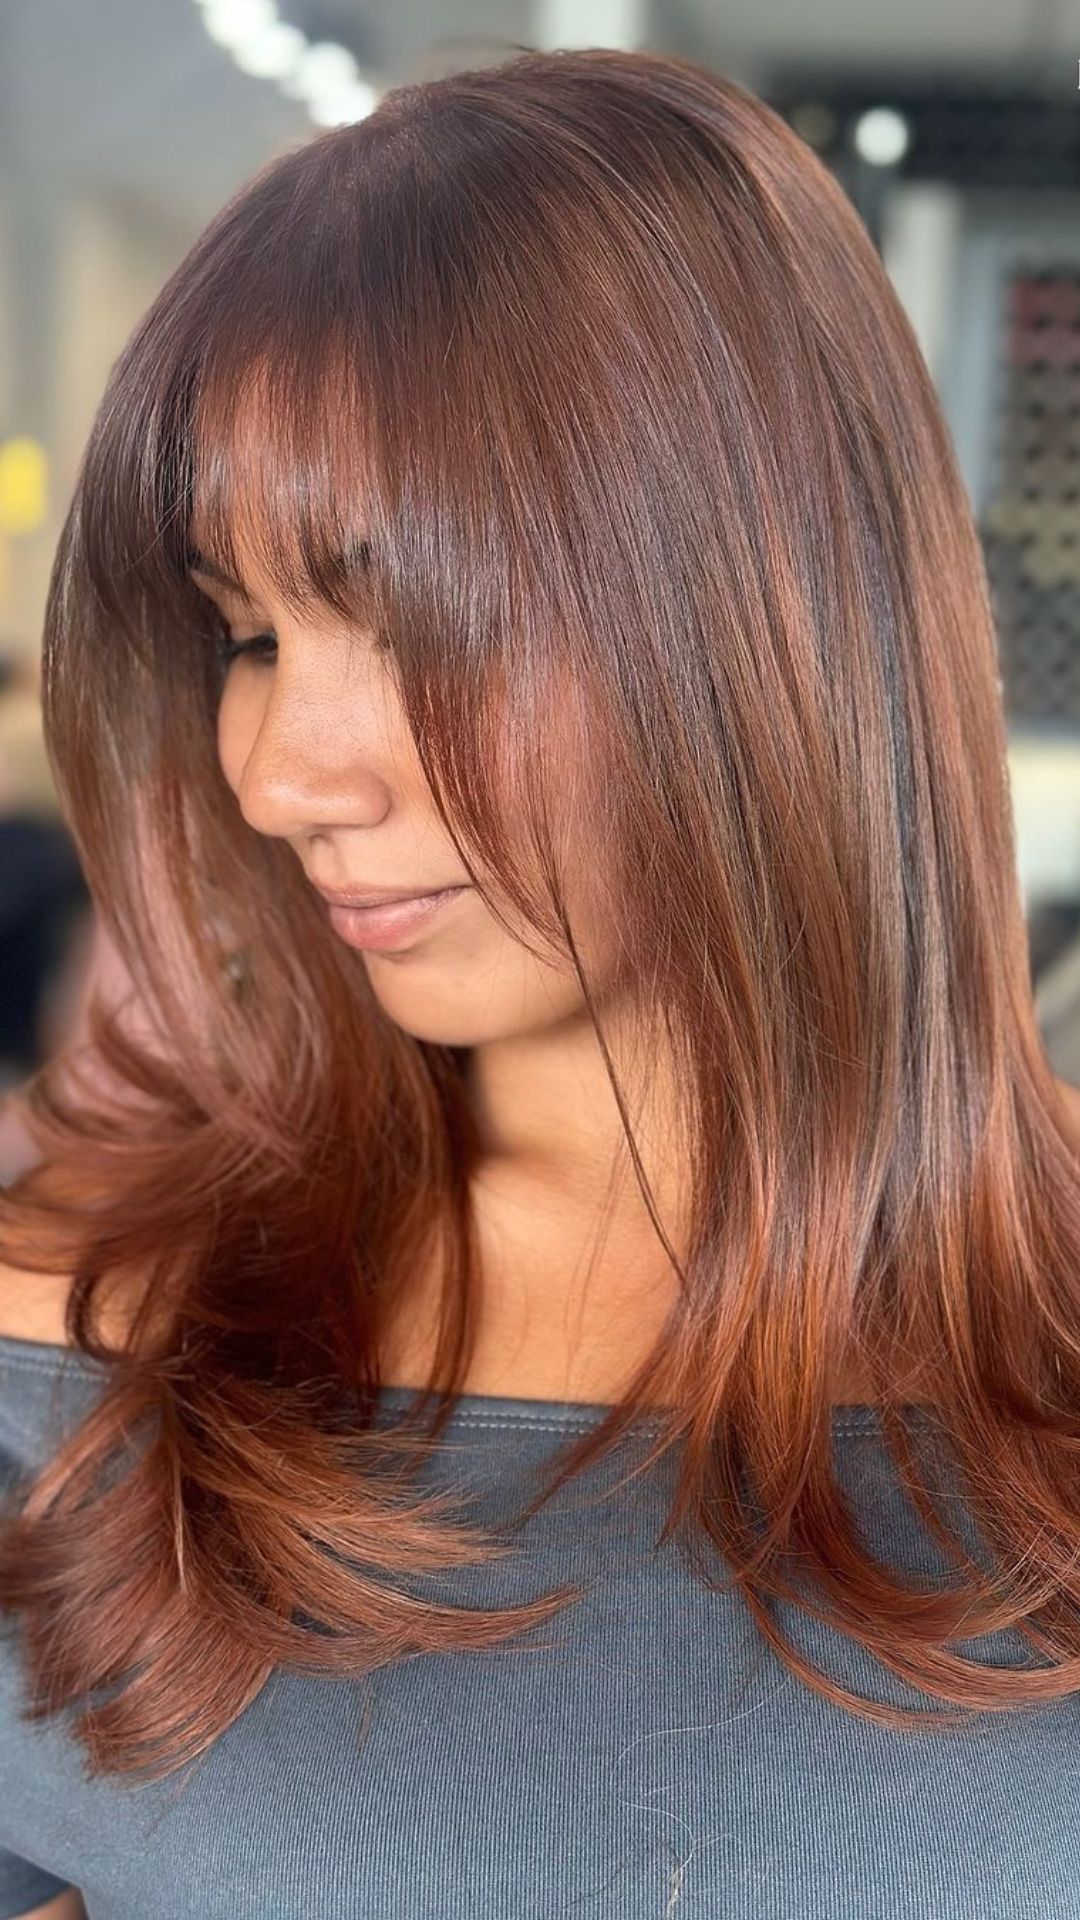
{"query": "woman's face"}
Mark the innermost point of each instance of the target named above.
(313, 740)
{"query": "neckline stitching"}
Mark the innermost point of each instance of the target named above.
(44, 1356)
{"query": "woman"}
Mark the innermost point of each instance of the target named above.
(534, 497)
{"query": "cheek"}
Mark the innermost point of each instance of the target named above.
(236, 727)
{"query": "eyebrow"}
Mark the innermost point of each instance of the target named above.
(201, 563)
(357, 557)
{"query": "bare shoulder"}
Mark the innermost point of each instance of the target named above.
(66, 1906)
(33, 1305)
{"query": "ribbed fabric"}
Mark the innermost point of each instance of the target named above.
(645, 1757)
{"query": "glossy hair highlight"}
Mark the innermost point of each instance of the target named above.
(577, 380)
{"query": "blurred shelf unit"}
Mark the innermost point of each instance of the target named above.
(1013, 391)
(994, 131)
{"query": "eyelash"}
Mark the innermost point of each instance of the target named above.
(230, 649)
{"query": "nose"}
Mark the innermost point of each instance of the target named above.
(306, 762)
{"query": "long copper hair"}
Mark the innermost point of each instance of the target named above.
(577, 379)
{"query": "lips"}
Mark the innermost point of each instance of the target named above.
(363, 897)
(393, 922)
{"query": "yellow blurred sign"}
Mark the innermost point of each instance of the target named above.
(23, 485)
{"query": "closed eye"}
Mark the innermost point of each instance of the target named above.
(258, 647)
(230, 649)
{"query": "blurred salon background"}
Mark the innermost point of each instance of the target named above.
(125, 124)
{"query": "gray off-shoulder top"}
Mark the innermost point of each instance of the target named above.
(644, 1757)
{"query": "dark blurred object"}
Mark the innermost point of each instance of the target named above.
(27, 785)
(1053, 928)
(44, 901)
(1054, 933)
(19, 671)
